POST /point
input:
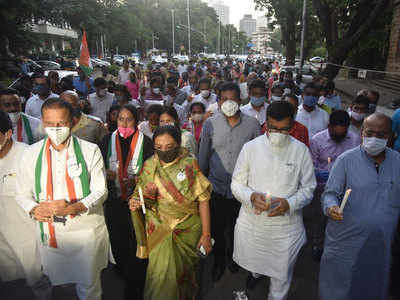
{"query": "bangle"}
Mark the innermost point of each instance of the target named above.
(206, 234)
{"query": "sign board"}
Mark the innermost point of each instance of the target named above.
(362, 74)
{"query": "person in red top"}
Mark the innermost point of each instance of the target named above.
(298, 131)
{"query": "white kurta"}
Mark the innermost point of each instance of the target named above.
(269, 245)
(261, 115)
(19, 252)
(315, 121)
(83, 242)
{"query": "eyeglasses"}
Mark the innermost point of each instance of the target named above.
(284, 130)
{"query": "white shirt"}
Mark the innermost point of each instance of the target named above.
(263, 244)
(261, 115)
(181, 69)
(315, 121)
(123, 76)
(101, 106)
(36, 127)
(243, 91)
(83, 243)
(212, 99)
(34, 105)
(19, 251)
(188, 90)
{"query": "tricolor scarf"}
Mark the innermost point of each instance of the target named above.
(133, 163)
(24, 122)
(76, 177)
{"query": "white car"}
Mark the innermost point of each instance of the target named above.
(182, 58)
(96, 62)
(62, 73)
(159, 59)
(118, 59)
(317, 60)
(49, 65)
(307, 72)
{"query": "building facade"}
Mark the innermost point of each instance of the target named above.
(248, 25)
(261, 40)
(221, 10)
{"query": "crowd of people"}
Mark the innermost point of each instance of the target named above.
(154, 169)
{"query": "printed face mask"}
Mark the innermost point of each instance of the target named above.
(57, 135)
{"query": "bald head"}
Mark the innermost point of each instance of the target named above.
(378, 125)
(71, 97)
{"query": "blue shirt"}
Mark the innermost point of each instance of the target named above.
(81, 87)
(396, 128)
(333, 101)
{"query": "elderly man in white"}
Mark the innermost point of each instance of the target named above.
(63, 189)
(273, 179)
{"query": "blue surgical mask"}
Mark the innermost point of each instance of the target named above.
(257, 101)
(310, 100)
(372, 108)
(374, 146)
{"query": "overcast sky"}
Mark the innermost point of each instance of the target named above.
(237, 8)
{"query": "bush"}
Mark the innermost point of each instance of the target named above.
(113, 69)
(321, 52)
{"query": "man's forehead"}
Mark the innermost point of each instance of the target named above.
(8, 98)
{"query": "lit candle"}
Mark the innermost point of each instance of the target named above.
(344, 201)
(329, 160)
(142, 200)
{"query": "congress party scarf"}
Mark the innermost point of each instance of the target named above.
(23, 121)
(133, 163)
(76, 176)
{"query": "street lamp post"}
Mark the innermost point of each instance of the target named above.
(188, 20)
(302, 36)
(173, 31)
(152, 37)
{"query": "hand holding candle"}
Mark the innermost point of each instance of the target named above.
(142, 200)
(344, 201)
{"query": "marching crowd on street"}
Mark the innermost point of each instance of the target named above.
(154, 169)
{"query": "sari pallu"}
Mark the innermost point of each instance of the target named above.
(172, 224)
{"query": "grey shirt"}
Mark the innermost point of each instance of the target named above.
(220, 146)
(180, 97)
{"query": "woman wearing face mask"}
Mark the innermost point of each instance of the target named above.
(133, 86)
(154, 93)
(121, 95)
(153, 120)
(177, 217)
(124, 152)
(358, 111)
(169, 116)
(196, 120)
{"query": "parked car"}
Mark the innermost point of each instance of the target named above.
(181, 58)
(49, 65)
(96, 62)
(118, 59)
(63, 73)
(317, 60)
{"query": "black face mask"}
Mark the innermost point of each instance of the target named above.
(169, 155)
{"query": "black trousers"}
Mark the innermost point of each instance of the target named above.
(395, 268)
(224, 213)
(123, 245)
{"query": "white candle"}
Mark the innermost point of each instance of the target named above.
(329, 160)
(142, 200)
(344, 201)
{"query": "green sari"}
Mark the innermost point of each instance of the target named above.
(172, 226)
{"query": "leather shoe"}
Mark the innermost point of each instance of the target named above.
(217, 272)
(251, 281)
(317, 253)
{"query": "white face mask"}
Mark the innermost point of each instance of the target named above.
(14, 117)
(358, 116)
(57, 135)
(229, 108)
(156, 91)
(374, 146)
(205, 93)
(102, 93)
(197, 117)
(275, 98)
(277, 139)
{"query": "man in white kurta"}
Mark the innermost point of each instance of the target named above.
(77, 249)
(19, 252)
(270, 233)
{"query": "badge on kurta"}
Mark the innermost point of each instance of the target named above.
(181, 176)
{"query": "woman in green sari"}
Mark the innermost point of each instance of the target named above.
(177, 218)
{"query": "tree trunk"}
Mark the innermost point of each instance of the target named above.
(290, 43)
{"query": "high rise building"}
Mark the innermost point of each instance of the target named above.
(262, 22)
(221, 10)
(248, 25)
